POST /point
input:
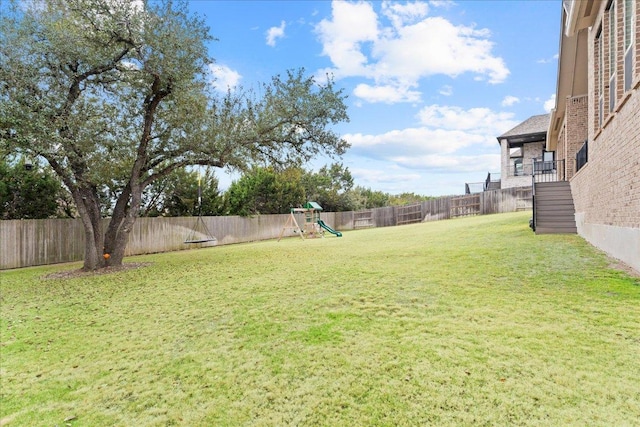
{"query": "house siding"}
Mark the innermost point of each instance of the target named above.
(606, 190)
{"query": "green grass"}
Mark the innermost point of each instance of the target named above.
(474, 321)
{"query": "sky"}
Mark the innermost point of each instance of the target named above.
(430, 84)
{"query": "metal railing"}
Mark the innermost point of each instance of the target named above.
(520, 169)
(491, 183)
(492, 178)
(473, 187)
(532, 223)
(548, 171)
(544, 171)
(582, 156)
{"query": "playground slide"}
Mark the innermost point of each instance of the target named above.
(329, 229)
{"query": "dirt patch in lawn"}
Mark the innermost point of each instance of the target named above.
(619, 265)
(72, 274)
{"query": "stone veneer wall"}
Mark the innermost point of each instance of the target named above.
(531, 150)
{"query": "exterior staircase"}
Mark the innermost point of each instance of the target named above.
(553, 209)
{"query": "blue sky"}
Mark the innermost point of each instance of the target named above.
(430, 84)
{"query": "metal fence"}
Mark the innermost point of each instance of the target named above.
(25, 243)
(582, 156)
(549, 171)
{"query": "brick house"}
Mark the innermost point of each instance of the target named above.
(595, 126)
(519, 147)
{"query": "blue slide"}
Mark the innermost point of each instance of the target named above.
(329, 229)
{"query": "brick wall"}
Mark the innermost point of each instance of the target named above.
(561, 153)
(576, 130)
(531, 150)
(607, 190)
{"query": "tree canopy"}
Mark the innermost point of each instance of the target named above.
(29, 191)
(265, 191)
(184, 193)
(115, 95)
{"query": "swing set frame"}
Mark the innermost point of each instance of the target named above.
(192, 237)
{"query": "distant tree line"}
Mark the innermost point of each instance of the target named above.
(32, 191)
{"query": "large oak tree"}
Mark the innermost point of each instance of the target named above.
(115, 93)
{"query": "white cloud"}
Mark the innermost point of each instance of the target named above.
(435, 46)
(386, 93)
(413, 46)
(352, 24)
(446, 4)
(548, 60)
(446, 90)
(475, 120)
(412, 142)
(275, 33)
(452, 164)
(438, 145)
(382, 176)
(403, 14)
(550, 103)
(224, 77)
(509, 100)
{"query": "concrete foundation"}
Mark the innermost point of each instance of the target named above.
(622, 243)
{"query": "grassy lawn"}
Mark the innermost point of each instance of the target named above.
(474, 321)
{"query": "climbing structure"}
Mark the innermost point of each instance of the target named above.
(313, 225)
(311, 212)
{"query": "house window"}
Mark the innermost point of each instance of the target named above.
(628, 43)
(600, 72)
(545, 164)
(516, 156)
(612, 57)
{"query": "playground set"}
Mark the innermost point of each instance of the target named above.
(200, 232)
(314, 226)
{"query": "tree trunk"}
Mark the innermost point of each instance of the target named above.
(124, 216)
(88, 206)
(111, 239)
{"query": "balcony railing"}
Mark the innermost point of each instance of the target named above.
(473, 187)
(492, 182)
(582, 156)
(520, 169)
(548, 170)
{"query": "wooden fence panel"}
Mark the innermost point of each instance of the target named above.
(384, 217)
(437, 209)
(465, 205)
(26, 243)
(344, 220)
(363, 219)
(409, 214)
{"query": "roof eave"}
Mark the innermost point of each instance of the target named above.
(572, 61)
(580, 15)
(552, 132)
(526, 138)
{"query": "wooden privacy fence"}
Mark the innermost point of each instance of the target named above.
(465, 205)
(25, 243)
(409, 214)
